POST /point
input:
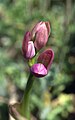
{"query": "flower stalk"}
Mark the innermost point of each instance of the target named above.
(21, 111)
(24, 105)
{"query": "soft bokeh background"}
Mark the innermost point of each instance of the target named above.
(52, 97)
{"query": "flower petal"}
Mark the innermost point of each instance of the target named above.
(39, 70)
(46, 58)
(40, 34)
(41, 38)
(48, 27)
(26, 39)
(31, 50)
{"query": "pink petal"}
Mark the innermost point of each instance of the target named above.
(36, 28)
(46, 58)
(48, 27)
(31, 50)
(39, 70)
(40, 34)
(41, 38)
(26, 39)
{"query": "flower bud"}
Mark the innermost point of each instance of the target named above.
(28, 49)
(39, 70)
(46, 58)
(40, 34)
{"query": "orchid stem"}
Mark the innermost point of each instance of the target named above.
(24, 105)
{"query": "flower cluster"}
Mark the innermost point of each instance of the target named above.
(33, 41)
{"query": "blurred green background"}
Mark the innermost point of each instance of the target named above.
(52, 97)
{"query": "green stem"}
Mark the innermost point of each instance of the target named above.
(24, 106)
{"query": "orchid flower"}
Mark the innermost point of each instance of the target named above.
(44, 62)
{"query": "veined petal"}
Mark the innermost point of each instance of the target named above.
(46, 58)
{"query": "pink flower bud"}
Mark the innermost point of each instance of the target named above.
(28, 49)
(39, 70)
(46, 58)
(40, 34)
